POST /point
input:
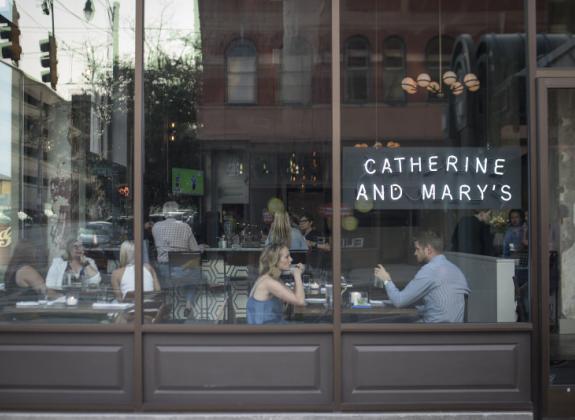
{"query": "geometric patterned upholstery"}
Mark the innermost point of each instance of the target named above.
(211, 303)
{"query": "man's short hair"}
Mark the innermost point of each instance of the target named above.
(429, 238)
(170, 207)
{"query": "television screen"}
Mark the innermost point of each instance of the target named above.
(187, 181)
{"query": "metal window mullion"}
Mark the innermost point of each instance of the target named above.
(336, 199)
(138, 166)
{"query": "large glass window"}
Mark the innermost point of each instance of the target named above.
(237, 197)
(434, 215)
(66, 158)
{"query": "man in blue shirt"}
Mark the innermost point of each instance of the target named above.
(439, 287)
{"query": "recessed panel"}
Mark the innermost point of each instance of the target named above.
(257, 369)
(437, 368)
(45, 369)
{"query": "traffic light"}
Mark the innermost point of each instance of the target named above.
(10, 36)
(123, 190)
(172, 131)
(49, 60)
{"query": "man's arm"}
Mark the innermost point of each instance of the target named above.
(416, 289)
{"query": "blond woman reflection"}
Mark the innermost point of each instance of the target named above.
(123, 277)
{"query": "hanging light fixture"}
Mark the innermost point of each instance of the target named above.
(88, 10)
(449, 78)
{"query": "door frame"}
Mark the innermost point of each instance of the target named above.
(556, 400)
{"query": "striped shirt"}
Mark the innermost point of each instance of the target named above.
(439, 287)
(173, 235)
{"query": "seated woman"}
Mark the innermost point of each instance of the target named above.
(123, 277)
(283, 233)
(22, 276)
(265, 303)
(73, 266)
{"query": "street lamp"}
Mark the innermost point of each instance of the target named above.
(89, 10)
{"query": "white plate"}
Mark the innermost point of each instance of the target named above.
(384, 302)
(315, 300)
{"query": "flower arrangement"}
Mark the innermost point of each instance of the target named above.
(498, 221)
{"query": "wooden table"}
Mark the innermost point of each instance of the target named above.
(318, 312)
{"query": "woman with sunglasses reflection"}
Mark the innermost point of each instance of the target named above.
(74, 266)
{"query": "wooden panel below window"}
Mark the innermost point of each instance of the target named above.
(51, 369)
(436, 368)
(238, 369)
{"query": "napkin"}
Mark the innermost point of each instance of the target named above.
(110, 305)
(27, 304)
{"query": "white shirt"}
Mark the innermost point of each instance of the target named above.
(127, 283)
(55, 276)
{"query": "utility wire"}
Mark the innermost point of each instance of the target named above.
(21, 9)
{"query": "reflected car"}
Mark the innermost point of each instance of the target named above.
(96, 234)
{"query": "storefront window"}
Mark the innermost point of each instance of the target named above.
(65, 161)
(226, 175)
(555, 27)
(434, 215)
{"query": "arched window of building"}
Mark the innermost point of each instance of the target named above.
(393, 69)
(433, 56)
(296, 73)
(357, 69)
(241, 72)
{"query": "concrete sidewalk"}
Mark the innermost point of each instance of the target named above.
(269, 416)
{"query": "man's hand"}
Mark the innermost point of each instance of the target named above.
(381, 276)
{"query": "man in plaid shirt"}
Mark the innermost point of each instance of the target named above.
(172, 234)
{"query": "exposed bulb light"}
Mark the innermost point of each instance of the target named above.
(449, 78)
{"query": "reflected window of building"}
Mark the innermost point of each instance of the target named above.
(241, 68)
(357, 69)
(296, 76)
(438, 58)
(555, 27)
(393, 69)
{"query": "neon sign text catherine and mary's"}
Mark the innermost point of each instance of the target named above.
(468, 166)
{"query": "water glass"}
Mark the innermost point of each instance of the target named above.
(328, 294)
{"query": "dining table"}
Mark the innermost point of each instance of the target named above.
(73, 306)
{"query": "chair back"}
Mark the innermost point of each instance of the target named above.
(187, 259)
(185, 268)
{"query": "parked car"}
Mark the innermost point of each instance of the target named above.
(96, 234)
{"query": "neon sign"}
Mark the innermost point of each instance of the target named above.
(407, 178)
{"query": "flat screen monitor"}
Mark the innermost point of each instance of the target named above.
(187, 181)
